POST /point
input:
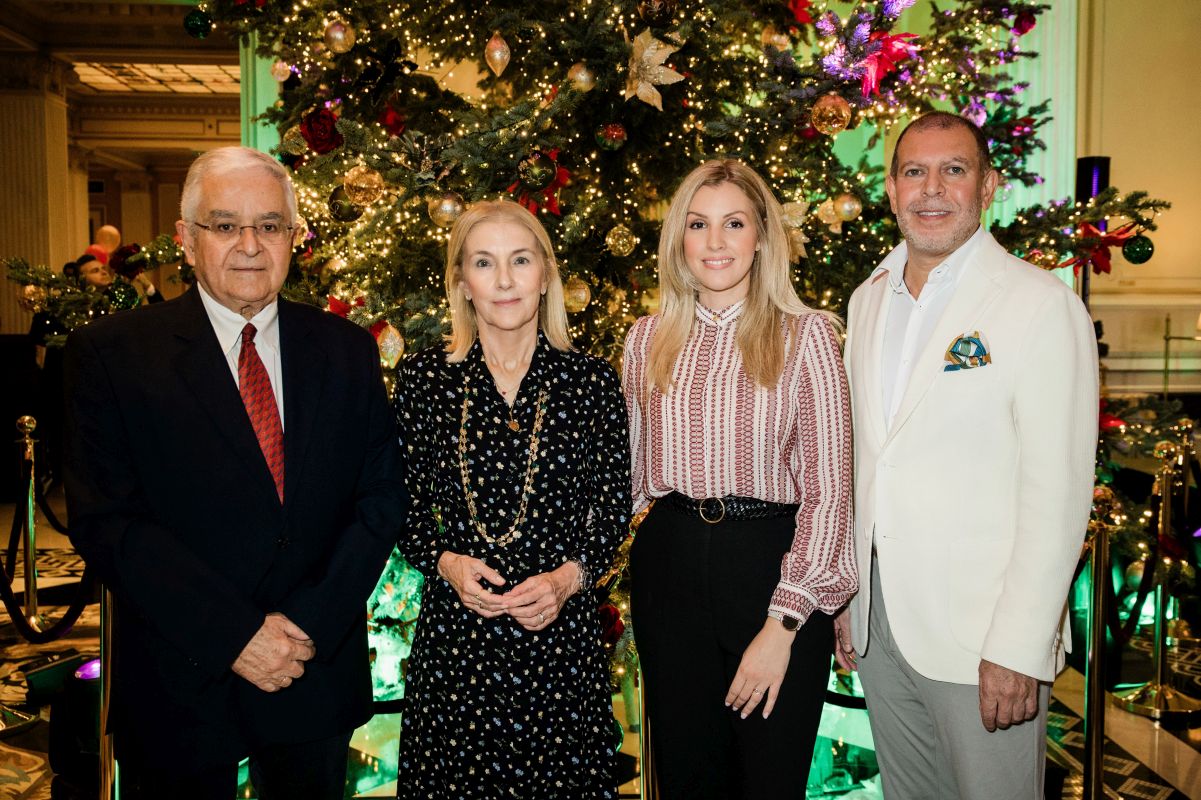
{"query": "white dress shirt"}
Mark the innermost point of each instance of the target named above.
(911, 321)
(228, 326)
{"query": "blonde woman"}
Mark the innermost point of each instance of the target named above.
(740, 434)
(518, 469)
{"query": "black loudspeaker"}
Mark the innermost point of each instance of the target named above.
(47, 676)
(1092, 176)
(75, 727)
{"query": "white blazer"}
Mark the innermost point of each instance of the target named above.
(979, 494)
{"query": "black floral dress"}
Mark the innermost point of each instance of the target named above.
(492, 710)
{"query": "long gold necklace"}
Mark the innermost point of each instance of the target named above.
(531, 469)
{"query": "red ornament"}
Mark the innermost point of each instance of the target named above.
(1109, 422)
(807, 131)
(123, 263)
(392, 120)
(612, 626)
(800, 11)
(1023, 23)
(320, 131)
(550, 194)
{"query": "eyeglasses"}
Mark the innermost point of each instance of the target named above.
(266, 232)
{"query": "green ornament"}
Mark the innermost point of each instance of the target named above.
(536, 171)
(198, 24)
(1138, 249)
(122, 296)
(619, 735)
(340, 207)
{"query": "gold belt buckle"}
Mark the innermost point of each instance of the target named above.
(701, 510)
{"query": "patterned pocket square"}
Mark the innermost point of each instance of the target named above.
(967, 352)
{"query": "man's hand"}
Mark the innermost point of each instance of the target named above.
(762, 669)
(1006, 697)
(275, 655)
(844, 651)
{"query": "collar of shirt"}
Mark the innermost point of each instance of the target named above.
(228, 325)
(722, 317)
(948, 272)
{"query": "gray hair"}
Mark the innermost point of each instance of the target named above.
(232, 159)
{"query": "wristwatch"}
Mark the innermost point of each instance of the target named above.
(788, 622)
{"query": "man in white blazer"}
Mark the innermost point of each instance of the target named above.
(974, 392)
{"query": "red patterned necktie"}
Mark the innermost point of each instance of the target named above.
(259, 397)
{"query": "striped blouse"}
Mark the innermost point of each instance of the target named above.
(718, 433)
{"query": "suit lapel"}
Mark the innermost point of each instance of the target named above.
(870, 350)
(979, 286)
(203, 367)
(304, 383)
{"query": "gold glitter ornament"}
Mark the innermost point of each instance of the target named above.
(620, 240)
(445, 209)
(339, 36)
(647, 70)
(576, 294)
(363, 185)
(847, 206)
(582, 78)
(293, 142)
(391, 346)
(497, 54)
(794, 222)
(281, 71)
(831, 113)
(775, 38)
(827, 214)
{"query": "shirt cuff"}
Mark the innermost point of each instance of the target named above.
(791, 601)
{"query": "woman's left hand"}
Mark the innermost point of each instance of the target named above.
(535, 602)
(761, 670)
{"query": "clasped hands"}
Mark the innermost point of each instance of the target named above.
(274, 657)
(534, 603)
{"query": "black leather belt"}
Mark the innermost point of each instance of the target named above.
(716, 509)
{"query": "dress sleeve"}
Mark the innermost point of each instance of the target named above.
(633, 381)
(419, 541)
(608, 471)
(819, 571)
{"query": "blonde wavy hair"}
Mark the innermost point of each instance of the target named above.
(552, 314)
(770, 297)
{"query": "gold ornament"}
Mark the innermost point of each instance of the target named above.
(775, 38)
(647, 70)
(281, 71)
(847, 206)
(293, 142)
(827, 214)
(445, 209)
(33, 298)
(1043, 258)
(1166, 450)
(654, 210)
(391, 346)
(831, 113)
(582, 78)
(650, 300)
(496, 53)
(576, 294)
(363, 185)
(621, 241)
(794, 223)
(339, 36)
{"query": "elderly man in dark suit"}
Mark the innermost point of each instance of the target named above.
(233, 476)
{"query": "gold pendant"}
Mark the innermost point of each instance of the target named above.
(513, 426)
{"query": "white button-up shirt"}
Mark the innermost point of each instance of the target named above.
(911, 320)
(228, 326)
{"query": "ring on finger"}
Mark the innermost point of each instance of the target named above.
(757, 691)
(541, 618)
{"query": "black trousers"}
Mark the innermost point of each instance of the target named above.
(699, 595)
(307, 771)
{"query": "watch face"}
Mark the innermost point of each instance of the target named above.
(790, 623)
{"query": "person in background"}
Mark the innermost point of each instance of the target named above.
(740, 435)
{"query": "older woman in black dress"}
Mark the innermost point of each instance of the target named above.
(518, 466)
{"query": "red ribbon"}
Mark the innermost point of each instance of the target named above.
(341, 307)
(1094, 250)
(893, 49)
(800, 11)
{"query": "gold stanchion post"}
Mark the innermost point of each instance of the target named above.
(1095, 696)
(108, 762)
(646, 776)
(1156, 699)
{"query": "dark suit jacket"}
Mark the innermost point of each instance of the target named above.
(172, 503)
